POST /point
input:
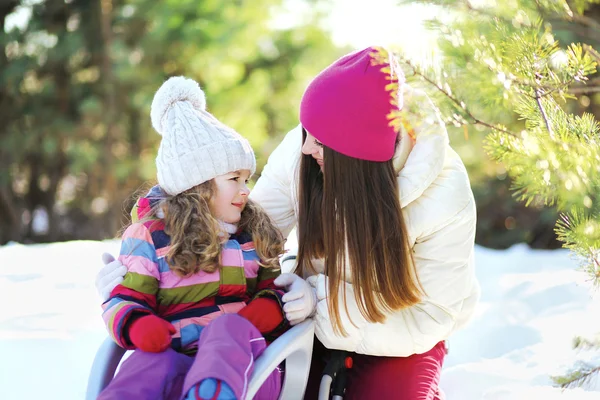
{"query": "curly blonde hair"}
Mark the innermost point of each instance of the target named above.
(195, 232)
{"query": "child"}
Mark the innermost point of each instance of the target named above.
(201, 261)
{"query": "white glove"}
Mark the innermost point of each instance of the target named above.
(300, 299)
(109, 276)
(320, 285)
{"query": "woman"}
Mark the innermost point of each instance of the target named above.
(386, 225)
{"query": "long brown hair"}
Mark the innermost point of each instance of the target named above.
(195, 232)
(350, 213)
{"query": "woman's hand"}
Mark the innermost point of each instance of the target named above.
(109, 276)
(300, 299)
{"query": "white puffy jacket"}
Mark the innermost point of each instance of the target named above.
(439, 211)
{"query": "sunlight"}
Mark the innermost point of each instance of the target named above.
(357, 24)
(362, 23)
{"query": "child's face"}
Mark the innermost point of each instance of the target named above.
(231, 196)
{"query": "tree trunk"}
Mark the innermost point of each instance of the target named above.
(10, 215)
(109, 188)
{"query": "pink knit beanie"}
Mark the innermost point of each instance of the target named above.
(353, 106)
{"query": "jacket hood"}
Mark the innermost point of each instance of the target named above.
(421, 153)
(144, 205)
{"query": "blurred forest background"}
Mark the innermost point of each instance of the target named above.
(76, 82)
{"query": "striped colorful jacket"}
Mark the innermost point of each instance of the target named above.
(190, 303)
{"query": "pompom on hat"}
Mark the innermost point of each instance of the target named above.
(195, 146)
(354, 105)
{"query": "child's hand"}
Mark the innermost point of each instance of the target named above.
(109, 276)
(264, 313)
(151, 333)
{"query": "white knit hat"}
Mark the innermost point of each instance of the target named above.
(195, 147)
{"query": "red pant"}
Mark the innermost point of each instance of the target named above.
(399, 378)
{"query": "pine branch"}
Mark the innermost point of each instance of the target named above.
(457, 102)
(577, 230)
(543, 112)
(577, 378)
(485, 13)
(581, 19)
(544, 90)
(567, 25)
(581, 343)
(584, 89)
(592, 52)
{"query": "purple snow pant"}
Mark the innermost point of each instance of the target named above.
(227, 349)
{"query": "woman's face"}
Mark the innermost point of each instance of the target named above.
(230, 199)
(312, 147)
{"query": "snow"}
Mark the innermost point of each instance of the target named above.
(533, 304)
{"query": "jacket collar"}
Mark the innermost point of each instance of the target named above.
(421, 153)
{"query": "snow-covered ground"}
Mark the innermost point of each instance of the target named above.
(533, 304)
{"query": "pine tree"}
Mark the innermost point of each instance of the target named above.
(77, 79)
(513, 69)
